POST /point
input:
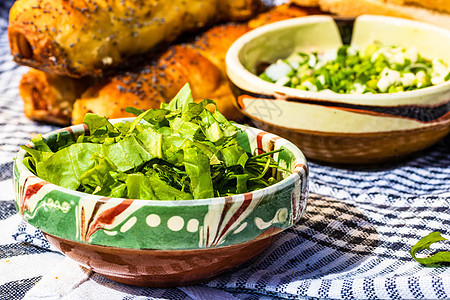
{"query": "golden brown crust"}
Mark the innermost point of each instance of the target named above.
(307, 3)
(354, 8)
(281, 12)
(430, 11)
(439, 5)
(214, 43)
(80, 37)
(201, 64)
(160, 80)
(49, 98)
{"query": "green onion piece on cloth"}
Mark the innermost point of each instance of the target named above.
(424, 243)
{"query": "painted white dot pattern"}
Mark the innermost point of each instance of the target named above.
(128, 224)
(153, 220)
(111, 233)
(192, 225)
(240, 228)
(175, 223)
(283, 214)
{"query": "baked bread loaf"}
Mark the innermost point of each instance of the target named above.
(439, 5)
(431, 11)
(82, 38)
(201, 63)
(160, 80)
(49, 98)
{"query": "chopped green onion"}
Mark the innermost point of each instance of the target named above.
(375, 69)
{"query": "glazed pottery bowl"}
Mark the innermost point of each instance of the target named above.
(341, 128)
(165, 243)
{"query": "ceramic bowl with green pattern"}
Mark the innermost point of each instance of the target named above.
(165, 243)
(335, 127)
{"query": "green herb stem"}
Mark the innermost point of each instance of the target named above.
(425, 243)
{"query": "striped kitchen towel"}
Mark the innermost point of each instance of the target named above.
(352, 243)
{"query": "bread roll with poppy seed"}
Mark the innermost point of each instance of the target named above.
(282, 12)
(83, 37)
(435, 12)
(201, 63)
(49, 98)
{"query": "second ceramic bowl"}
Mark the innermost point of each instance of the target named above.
(342, 128)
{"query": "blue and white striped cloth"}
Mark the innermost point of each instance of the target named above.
(352, 243)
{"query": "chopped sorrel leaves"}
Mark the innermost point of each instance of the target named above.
(178, 152)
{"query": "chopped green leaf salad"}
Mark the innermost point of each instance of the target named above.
(180, 151)
(349, 70)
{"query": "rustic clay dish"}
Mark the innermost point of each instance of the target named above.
(336, 127)
(165, 243)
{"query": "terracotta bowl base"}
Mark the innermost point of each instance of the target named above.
(159, 268)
